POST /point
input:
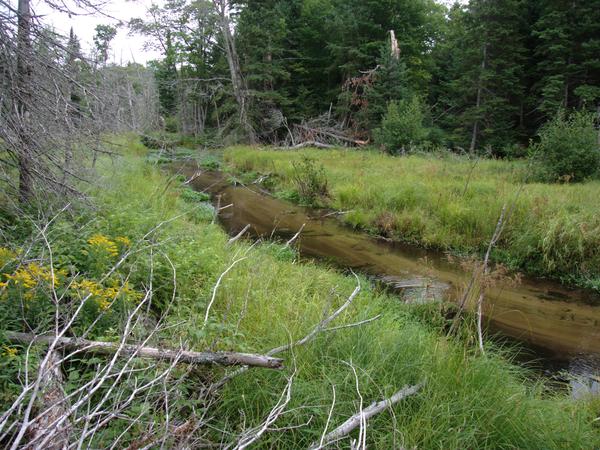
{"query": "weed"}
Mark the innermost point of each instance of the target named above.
(310, 181)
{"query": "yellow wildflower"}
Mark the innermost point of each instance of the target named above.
(88, 287)
(100, 241)
(103, 297)
(11, 352)
(123, 240)
(103, 303)
(3, 284)
(30, 275)
(6, 256)
(23, 277)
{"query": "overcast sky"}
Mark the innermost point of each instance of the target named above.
(124, 47)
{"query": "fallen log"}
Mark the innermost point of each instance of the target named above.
(184, 356)
(362, 416)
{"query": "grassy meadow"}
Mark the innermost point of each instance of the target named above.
(267, 300)
(451, 203)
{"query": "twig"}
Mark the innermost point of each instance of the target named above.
(321, 326)
(239, 235)
(291, 241)
(216, 287)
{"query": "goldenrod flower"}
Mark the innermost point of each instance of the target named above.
(11, 352)
(104, 296)
(103, 303)
(103, 243)
(123, 240)
(6, 256)
(30, 275)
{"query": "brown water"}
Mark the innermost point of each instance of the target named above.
(542, 314)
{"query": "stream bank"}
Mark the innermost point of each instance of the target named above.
(560, 325)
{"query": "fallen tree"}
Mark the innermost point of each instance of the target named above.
(183, 356)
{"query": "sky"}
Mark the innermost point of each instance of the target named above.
(125, 48)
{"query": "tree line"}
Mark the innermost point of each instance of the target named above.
(487, 74)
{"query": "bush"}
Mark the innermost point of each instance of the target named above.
(401, 126)
(156, 143)
(172, 124)
(568, 148)
(311, 181)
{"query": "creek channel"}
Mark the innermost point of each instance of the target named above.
(559, 327)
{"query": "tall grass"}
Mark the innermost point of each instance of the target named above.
(452, 203)
(269, 299)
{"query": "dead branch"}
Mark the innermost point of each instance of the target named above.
(52, 401)
(185, 356)
(307, 144)
(321, 327)
(239, 235)
(355, 421)
(216, 287)
(328, 133)
(296, 236)
(252, 435)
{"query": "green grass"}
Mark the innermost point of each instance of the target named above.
(269, 299)
(450, 203)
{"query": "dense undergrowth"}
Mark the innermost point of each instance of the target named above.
(266, 300)
(452, 203)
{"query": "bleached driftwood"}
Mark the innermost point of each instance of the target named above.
(305, 144)
(184, 356)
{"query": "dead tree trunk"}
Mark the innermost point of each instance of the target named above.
(22, 99)
(238, 84)
(394, 47)
(478, 102)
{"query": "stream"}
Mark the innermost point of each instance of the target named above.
(558, 326)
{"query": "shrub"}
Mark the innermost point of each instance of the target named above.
(172, 124)
(401, 126)
(156, 143)
(568, 148)
(310, 180)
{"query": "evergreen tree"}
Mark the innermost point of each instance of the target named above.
(568, 55)
(483, 84)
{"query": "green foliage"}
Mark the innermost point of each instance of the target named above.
(568, 149)
(156, 143)
(449, 202)
(310, 181)
(191, 196)
(102, 39)
(210, 163)
(171, 122)
(484, 400)
(402, 126)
